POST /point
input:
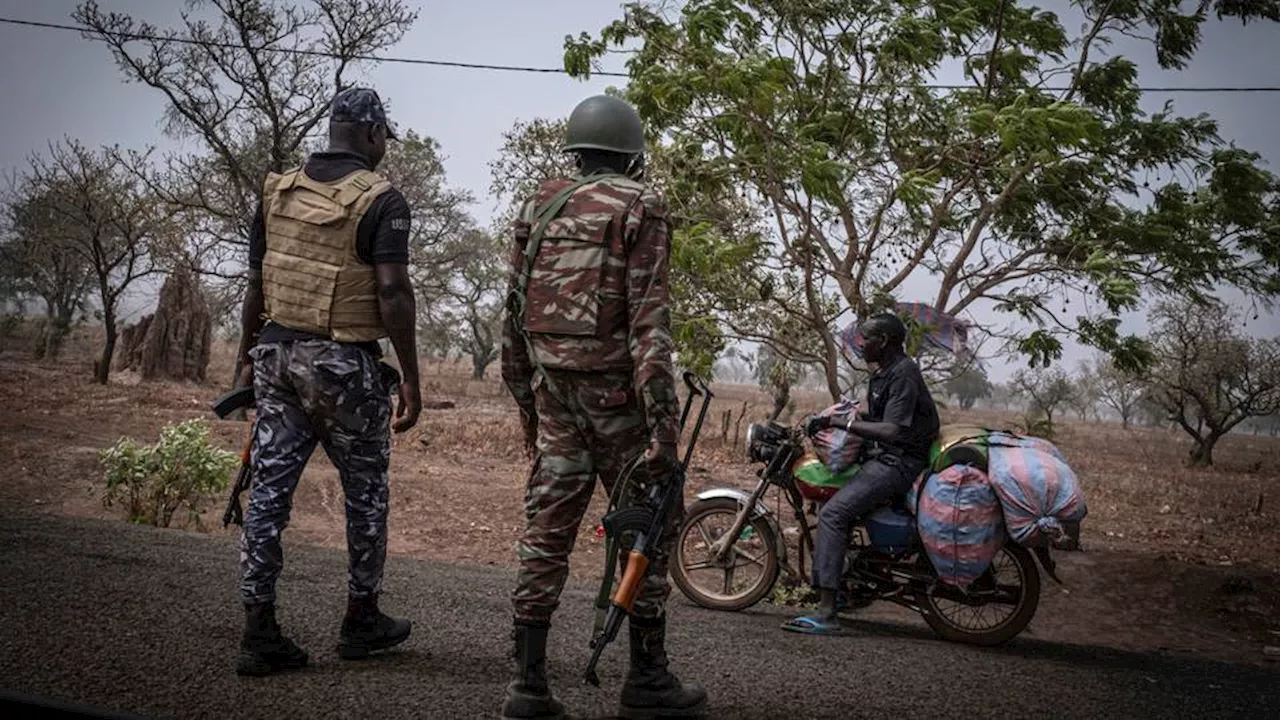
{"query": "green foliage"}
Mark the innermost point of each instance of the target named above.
(1003, 190)
(794, 592)
(969, 385)
(714, 254)
(180, 471)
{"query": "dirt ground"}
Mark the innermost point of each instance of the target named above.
(1175, 560)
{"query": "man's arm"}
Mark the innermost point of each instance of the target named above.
(396, 303)
(254, 308)
(398, 309)
(899, 411)
(649, 315)
(517, 367)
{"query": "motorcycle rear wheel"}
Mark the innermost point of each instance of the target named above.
(1027, 602)
(734, 599)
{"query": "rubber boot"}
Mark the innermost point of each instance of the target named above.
(528, 695)
(651, 691)
(366, 629)
(264, 649)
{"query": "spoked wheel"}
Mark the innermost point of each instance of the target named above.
(998, 605)
(744, 577)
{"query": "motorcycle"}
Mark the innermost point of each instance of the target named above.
(885, 559)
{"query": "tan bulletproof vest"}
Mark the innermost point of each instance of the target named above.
(312, 277)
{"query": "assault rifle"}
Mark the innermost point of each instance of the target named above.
(243, 399)
(649, 523)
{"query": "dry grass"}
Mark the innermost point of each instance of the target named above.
(1140, 494)
(458, 489)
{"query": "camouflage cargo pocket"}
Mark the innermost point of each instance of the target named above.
(564, 288)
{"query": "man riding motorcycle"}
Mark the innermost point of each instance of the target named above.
(900, 424)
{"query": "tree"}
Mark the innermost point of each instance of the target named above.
(1208, 377)
(1002, 395)
(99, 212)
(33, 262)
(734, 366)
(1006, 190)
(968, 382)
(776, 375)
(1118, 389)
(1084, 393)
(441, 227)
(252, 92)
(714, 248)
(476, 304)
(1047, 389)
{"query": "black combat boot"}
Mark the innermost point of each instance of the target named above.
(650, 690)
(264, 650)
(528, 695)
(366, 629)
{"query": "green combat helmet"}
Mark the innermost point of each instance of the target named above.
(603, 122)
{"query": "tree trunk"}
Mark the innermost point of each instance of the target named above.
(479, 362)
(1124, 420)
(831, 370)
(781, 397)
(102, 370)
(1202, 452)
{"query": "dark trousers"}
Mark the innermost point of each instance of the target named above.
(878, 480)
(313, 392)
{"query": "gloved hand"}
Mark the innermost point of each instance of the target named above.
(661, 461)
(817, 424)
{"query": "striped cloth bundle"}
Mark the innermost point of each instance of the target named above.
(1041, 495)
(960, 522)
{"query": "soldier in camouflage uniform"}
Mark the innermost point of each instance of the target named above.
(328, 279)
(586, 352)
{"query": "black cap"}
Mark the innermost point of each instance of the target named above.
(359, 105)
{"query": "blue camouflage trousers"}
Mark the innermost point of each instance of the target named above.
(309, 392)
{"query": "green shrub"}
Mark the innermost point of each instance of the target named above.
(794, 592)
(181, 471)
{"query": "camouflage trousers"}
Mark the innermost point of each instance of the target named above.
(599, 434)
(309, 392)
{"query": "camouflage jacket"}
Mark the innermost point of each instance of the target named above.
(597, 297)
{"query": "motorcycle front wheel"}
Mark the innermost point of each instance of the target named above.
(742, 579)
(994, 609)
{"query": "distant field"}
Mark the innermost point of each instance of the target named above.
(458, 488)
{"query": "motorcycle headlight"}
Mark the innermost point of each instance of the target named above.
(753, 433)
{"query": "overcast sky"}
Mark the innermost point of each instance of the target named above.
(57, 84)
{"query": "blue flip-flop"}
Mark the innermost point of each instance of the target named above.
(813, 626)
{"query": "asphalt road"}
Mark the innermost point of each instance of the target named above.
(144, 621)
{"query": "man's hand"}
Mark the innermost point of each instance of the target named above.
(660, 459)
(817, 424)
(245, 378)
(530, 434)
(409, 408)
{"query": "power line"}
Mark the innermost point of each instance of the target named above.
(128, 36)
(292, 51)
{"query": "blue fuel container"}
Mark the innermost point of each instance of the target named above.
(890, 530)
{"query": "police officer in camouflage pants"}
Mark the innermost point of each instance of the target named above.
(328, 279)
(586, 352)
